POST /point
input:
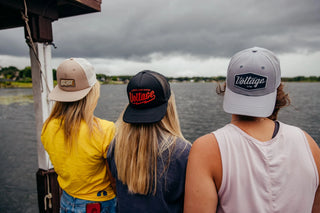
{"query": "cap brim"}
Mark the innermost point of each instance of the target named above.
(255, 106)
(58, 94)
(144, 116)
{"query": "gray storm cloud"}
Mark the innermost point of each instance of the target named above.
(135, 29)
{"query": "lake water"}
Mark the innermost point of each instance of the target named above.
(200, 112)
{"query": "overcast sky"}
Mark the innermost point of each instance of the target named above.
(181, 37)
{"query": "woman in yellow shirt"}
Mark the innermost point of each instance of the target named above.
(77, 141)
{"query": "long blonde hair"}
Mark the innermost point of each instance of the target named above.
(137, 147)
(72, 113)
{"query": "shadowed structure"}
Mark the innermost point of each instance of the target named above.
(36, 16)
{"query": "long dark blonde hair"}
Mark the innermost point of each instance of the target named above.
(138, 146)
(72, 113)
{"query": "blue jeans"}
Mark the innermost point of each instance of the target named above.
(69, 204)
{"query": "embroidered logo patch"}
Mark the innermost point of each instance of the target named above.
(141, 96)
(102, 193)
(250, 81)
(67, 83)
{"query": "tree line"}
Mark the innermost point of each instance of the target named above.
(12, 73)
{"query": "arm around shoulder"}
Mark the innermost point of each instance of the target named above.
(203, 169)
(316, 155)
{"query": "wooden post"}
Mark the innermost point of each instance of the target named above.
(42, 84)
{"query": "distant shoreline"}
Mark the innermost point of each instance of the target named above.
(12, 77)
(17, 84)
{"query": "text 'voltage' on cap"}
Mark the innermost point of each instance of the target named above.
(148, 93)
(253, 77)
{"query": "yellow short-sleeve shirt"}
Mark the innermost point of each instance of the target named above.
(81, 170)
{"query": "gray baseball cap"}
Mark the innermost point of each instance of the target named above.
(252, 80)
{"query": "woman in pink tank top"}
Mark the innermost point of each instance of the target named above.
(255, 163)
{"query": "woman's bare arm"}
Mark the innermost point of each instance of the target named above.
(204, 169)
(316, 155)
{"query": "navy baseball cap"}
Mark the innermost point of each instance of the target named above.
(148, 93)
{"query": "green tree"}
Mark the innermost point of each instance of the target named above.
(54, 73)
(25, 73)
(9, 72)
(101, 77)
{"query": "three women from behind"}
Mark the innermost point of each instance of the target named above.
(77, 141)
(255, 163)
(148, 156)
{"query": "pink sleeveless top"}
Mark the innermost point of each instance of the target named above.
(279, 175)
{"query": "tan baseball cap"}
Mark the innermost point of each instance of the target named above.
(75, 78)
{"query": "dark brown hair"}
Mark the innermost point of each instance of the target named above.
(282, 100)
